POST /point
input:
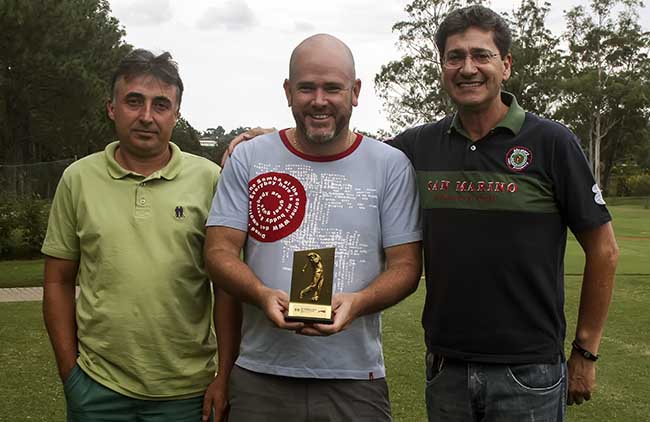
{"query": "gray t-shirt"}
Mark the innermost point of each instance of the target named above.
(360, 202)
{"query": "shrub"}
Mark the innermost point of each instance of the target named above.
(639, 184)
(23, 222)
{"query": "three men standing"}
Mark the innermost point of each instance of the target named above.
(498, 188)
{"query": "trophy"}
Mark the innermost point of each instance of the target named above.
(311, 286)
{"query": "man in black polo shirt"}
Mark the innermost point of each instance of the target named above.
(499, 187)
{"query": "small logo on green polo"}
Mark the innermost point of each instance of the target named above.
(518, 158)
(180, 213)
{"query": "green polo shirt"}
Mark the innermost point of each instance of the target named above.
(144, 309)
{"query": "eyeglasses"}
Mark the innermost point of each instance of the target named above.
(456, 60)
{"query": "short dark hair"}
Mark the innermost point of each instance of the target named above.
(143, 62)
(460, 20)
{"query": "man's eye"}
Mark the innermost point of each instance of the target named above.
(455, 58)
(133, 102)
(305, 89)
(333, 89)
(161, 106)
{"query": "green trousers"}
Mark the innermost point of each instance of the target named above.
(89, 401)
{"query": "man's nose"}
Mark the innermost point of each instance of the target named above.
(320, 97)
(146, 113)
(468, 66)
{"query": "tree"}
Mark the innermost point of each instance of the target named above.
(56, 59)
(214, 133)
(536, 58)
(599, 86)
(186, 137)
(410, 87)
(222, 140)
(606, 82)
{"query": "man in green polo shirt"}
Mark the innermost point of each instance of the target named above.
(499, 187)
(127, 225)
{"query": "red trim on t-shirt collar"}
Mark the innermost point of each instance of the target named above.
(320, 158)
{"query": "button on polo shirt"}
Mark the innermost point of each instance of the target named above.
(144, 310)
(495, 214)
(142, 208)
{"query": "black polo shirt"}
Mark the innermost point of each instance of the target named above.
(495, 214)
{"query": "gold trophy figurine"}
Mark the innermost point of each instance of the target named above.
(312, 276)
(317, 277)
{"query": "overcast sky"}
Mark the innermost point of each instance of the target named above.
(233, 54)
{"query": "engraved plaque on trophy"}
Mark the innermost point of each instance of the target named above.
(311, 286)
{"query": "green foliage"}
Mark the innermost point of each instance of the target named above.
(186, 137)
(222, 140)
(535, 58)
(599, 86)
(634, 185)
(410, 87)
(605, 82)
(56, 60)
(23, 223)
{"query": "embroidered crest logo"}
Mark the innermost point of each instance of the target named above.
(180, 213)
(276, 208)
(518, 158)
(598, 195)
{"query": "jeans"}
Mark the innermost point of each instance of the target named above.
(459, 391)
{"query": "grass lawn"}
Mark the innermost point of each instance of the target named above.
(24, 273)
(30, 389)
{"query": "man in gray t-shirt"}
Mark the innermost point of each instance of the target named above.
(316, 186)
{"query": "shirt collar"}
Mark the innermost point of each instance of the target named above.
(513, 120)
(170, 171)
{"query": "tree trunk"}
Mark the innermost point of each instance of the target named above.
(597, 141)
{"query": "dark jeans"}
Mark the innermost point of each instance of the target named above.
(477, 392)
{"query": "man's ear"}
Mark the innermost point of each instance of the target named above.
(287, 91)
(507, 67)
(356, 89)
(110, 109)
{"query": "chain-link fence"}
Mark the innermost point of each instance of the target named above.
(32, 180)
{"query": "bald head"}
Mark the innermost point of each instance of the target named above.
(321, 90)
(323, 45)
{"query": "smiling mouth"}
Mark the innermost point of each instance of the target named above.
(320, 116)
(470, 84)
